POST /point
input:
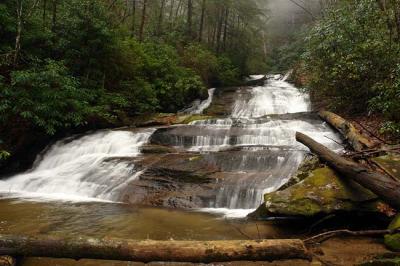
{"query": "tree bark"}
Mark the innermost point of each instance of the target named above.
(383, 186)
(160, 18)
(149, 251)
(54, 19)
(203, 10)
(19, 33)
(189, 19)
(133, 28)
(357, 141)
(225, 27)
(143, 20)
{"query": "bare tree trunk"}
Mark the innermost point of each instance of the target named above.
(19, 32)
(189, 19)
(143, 21)
(383, 186)
(219, 29)
(225, 27)
(203, 10)
(44, 12)
(149, 250)
(160, 18)
(54, 19)
(133, 26)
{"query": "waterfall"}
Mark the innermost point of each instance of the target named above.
(197, 107)
(254, 149)
(262, 126)
(84, 167)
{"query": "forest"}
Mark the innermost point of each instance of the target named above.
(235, 114)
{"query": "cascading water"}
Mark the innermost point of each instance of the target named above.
(76, 169)
(197, 107)
(262, 126)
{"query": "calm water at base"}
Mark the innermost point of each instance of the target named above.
(98, 219)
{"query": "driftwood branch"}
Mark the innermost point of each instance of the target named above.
(327, 235)
(149, 250)
(383, 186)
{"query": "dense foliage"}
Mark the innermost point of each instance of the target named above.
(65, 63)
(348, 56)
(352, 57)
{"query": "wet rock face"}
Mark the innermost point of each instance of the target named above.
(321, 192)
(173, 180)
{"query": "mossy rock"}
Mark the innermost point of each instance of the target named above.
(393, 241)
(309, 164)
(321, 192)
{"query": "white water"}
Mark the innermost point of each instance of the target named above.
(276, 97)
(198, 107)
(243, 129)
(82, 168)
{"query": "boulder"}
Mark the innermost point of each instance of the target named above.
(321, 192)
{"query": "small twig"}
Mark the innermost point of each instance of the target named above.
(239, 230)
(325, 236)
(320, 221)
(341, 144)
(372, 134)
(258, 231)
(383, 169)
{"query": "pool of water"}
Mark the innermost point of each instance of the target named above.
(98, 219)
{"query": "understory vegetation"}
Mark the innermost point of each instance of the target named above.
(67, 64)
(349, 55)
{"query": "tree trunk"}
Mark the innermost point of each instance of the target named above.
(160, 18)
(133, 28)
(54, 19)
(357, 141)
(19, 33)
(143, 20)
(44, 12)
(189, 19)
(225, 28)
(149, 250)
(203, 10)
(219, 29)
(383, 186)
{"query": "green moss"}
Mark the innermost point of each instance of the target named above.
(393, 242)
(321, 192)
(382, 262)
(190, 118)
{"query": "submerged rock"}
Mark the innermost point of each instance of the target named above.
(321, 192)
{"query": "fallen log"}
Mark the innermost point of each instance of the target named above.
(150, 251)
(383, 186)
(357, 141)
